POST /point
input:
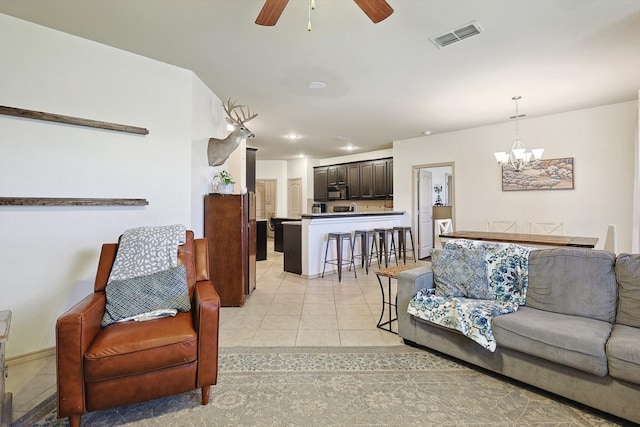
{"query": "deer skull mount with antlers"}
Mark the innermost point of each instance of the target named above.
(219, 150)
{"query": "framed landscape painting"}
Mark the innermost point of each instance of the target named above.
(548, 174)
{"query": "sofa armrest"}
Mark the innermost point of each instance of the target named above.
(75, 331)
(206, 310)
(410, 282)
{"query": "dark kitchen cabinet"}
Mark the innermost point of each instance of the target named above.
(390, 178)
(370, 179)
(353, 179)
(320, 183)
(337, 175)
(379, 179)
(366, 180)
(292, 247)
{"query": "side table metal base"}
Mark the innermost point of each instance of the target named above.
(392, 307)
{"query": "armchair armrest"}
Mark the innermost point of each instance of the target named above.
(410, 282)
(206, 310)
(75, 331)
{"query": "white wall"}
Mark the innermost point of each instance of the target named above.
(601, 141)
(48, 255)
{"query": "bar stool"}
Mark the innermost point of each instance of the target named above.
(402, 242)
(365, 252)
(339, 238)
(387, 243)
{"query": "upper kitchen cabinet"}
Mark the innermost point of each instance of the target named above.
(353, 179)
(390, 178)
(370, 179)
(320, 183)
(366, 180)
(379, 179)
(337, 175)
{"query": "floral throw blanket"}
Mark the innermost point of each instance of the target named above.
(507, 276)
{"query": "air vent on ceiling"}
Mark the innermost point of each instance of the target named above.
(456, 35)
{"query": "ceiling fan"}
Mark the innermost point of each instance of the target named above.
(376, 10)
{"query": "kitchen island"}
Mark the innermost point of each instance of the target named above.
(315, 228)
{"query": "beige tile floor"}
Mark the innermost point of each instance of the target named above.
(284, 310)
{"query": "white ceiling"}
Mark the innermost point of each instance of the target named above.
(385, 81)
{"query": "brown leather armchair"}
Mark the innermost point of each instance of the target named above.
(130, 362)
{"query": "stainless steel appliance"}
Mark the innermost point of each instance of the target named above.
(337, 192)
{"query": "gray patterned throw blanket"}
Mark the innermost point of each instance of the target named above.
(146, 250)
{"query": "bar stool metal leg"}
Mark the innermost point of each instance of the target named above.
(366, 248)
(339, 239)
(402, 242)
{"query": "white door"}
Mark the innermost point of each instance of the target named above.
(425, 213)
(294, 197)
(260, 214)
(266, 200)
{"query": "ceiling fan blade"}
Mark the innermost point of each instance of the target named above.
(376, 10)
(270, 12)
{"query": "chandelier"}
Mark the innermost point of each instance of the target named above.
(518, 157)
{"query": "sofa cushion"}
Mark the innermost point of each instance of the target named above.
(623, 352)
(628, 275)
(575, 281)
(460, 272)
(573, 341)
(507, 267)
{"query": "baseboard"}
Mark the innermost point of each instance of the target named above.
(28, 357)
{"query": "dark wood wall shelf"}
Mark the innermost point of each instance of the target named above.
(59, 118)
(69, 201)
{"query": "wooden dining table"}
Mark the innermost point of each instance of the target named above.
(524, 239)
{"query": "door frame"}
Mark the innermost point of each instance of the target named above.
(415, 200)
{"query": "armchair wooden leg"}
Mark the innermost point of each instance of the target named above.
(205, 396)
(74, 420)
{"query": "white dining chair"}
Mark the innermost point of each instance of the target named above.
(555, 228)
(442, 226)
(502, 225)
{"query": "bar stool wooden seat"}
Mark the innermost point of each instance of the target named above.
(402, 242)
(387, 245)
(339, 261)
(365, 236)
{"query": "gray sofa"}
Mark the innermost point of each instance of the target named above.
(578, 335)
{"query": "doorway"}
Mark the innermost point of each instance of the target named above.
(266, 200)
(431, 181)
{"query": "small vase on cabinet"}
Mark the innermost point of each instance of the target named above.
(225, 188)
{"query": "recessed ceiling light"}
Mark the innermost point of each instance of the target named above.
(349, 147)
(426, 132)
(317, 84)
(293, 136)
(341, 138)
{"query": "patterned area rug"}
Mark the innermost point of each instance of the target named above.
(342, 386)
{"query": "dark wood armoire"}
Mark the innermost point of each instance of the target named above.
(230, 229)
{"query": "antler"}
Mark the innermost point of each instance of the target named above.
(231, 107)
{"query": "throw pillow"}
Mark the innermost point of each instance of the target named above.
(460, 273)
(162, 290)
